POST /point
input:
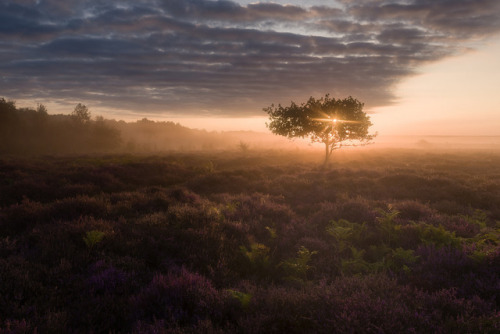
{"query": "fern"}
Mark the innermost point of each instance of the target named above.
(356, 264)
(388, 226)
(243, 298)
(92, 238)
(296, 268)
(258, 255)
(272, 232)
(401, 259)
(346, 233)
(438, 236)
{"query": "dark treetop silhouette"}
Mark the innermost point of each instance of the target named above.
(334, 122)
(81, 113)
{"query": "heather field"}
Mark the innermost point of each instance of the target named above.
(382, 241)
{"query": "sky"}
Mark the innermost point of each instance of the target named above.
(420, 66)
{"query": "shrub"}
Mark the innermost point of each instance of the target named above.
(14, 326)
(18, 217)
(440, 267)
(106, 279)
(413, 210)
(353, 210)
(80, 206)
(180, 297)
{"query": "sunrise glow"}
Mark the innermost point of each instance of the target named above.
(420, 76)
(455, 96)
(248, 166)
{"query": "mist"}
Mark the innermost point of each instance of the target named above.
(33, 131)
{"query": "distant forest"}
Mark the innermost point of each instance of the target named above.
(35, 131)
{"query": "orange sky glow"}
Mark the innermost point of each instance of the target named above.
(215, 65)
(457, 96)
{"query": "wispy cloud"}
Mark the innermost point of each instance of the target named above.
(223, 56)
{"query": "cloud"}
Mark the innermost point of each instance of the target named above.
(224, 57)
(222, 10)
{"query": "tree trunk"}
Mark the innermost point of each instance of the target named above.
(327, 152)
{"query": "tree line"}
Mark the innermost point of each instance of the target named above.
(33, 130)
(28, 131)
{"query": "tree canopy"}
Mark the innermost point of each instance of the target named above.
(81, 113)
(334, 122)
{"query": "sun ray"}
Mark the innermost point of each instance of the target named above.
(334, 120)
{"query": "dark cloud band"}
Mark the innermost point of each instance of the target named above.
(220, 56)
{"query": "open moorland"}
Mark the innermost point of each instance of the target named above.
(382, 241)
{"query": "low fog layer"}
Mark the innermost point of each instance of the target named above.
(439, 142)
(34, 131)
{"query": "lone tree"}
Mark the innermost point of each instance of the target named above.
(334, 122)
